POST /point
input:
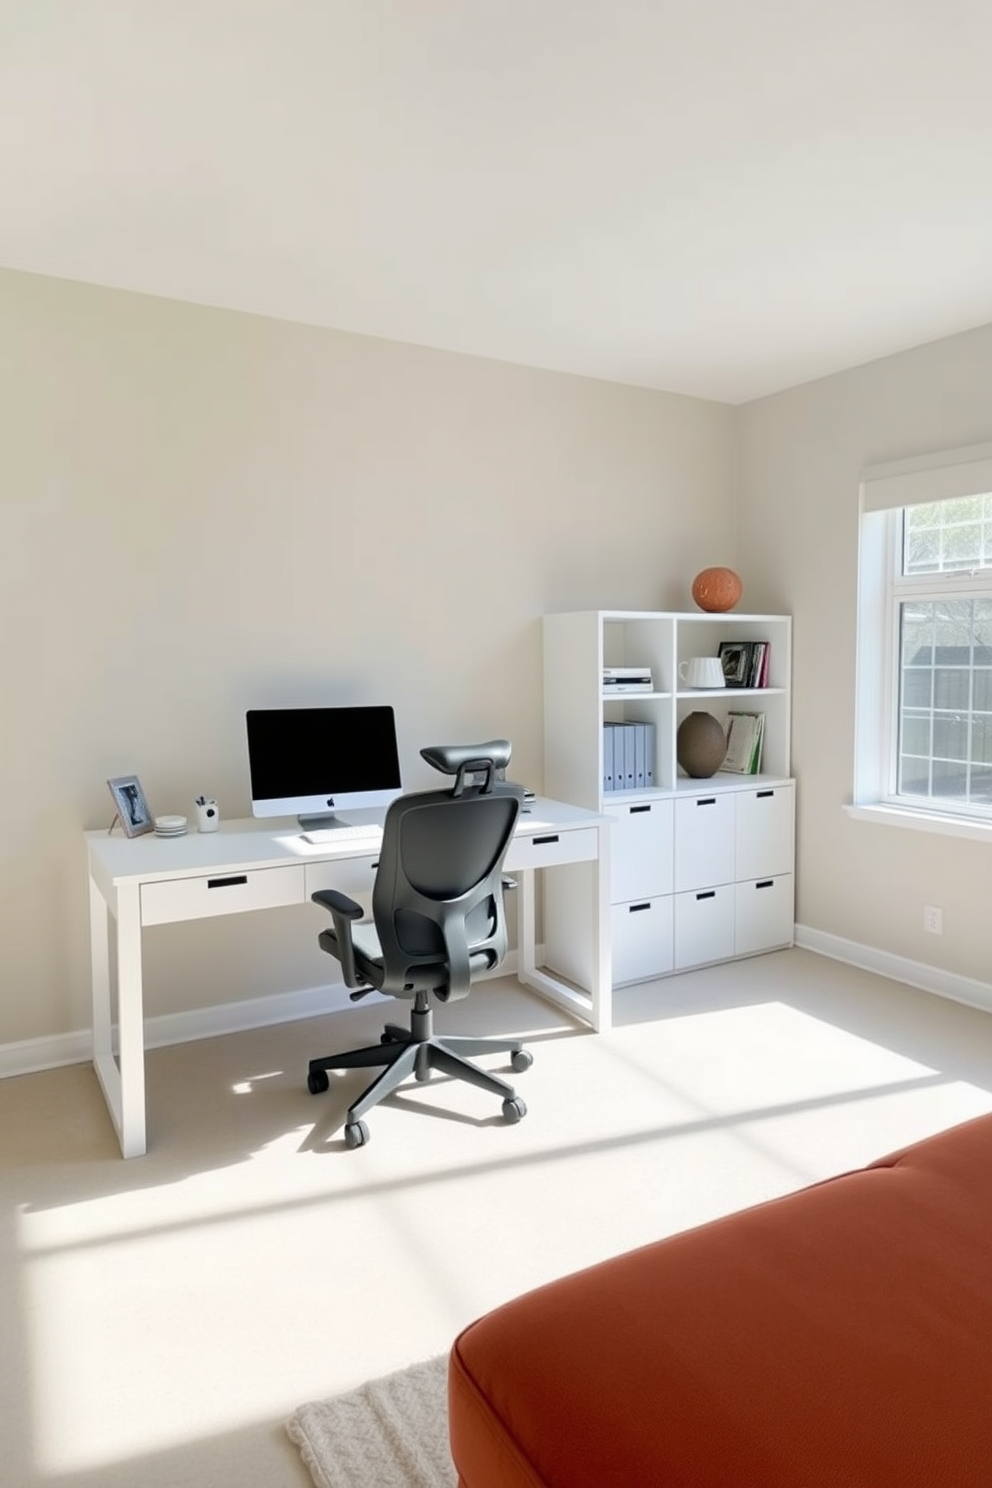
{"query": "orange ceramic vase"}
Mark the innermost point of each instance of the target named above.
(717, 589)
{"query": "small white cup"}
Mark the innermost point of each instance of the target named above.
(207, 815)
(704, 672)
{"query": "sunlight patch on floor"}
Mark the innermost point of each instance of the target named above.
(279, 1267)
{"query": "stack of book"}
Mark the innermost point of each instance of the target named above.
(745, 732)
(745, 663)
(628, 756)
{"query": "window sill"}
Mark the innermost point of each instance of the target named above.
(923, 821)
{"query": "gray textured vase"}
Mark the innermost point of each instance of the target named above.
(700, 745)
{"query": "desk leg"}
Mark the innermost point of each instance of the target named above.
(526, 927)
(122, 1079)
(100, 976)
(601, 970)
(596, 1006)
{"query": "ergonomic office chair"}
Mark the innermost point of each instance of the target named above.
(438, 921)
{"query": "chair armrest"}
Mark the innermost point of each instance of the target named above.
(342, 911)
(338, 903)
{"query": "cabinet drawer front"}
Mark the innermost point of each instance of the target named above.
(352, 876)
(642, 850)
(545, 849)
(222, 893)
(704, 841)
(765, 832)
(642, 939)
(764, 914)
(704, 926)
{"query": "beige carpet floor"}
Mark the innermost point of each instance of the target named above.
(163, 1318)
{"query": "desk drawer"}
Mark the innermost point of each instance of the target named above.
(642, 939)
(704, 926)
(352, 876)
(222, 893)
(545, 849)
(764, 914)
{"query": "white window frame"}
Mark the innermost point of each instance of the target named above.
(885, 491)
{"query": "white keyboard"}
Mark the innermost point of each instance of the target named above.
(328, 836)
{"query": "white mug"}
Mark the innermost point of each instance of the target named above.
(207, 815)
(702, 672)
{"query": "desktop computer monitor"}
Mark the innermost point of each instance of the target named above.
(316, 762)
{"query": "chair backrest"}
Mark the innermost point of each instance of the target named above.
(437, 901)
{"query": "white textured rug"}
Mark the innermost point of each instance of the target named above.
(389, 1433)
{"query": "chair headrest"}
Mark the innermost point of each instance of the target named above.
(451, 758)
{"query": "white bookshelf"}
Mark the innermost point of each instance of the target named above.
(702, 868)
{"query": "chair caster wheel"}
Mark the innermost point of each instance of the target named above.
(317, 1081)
(356, 1134)
(513, 1110)
(521, 1060)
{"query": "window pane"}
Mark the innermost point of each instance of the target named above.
(949, 781)
(917, 687)
(981, 786)
(922, 551)
(950, 736)
(981, 739)
(914, 776)
(917, 634)
(944, 746)
(950, 687)
(916, 734)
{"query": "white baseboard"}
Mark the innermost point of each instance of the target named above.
(899, 968)
(32, 1055)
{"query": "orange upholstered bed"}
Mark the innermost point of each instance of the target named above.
(837, 1338)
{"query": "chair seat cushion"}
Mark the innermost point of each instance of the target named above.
(840, 1337)
(427, 977)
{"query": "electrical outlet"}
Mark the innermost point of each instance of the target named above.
(933, 919)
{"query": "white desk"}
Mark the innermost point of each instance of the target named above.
(250, 865)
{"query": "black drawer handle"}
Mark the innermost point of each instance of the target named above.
(707, 801)
(635, 908)
(762, 794)
(635, 809)
(227, 883)
(765, 883)
(540, 841)
(709, 894)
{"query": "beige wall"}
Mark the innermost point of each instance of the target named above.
(203, 511)
(801, 453)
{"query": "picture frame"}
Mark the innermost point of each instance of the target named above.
(133, 811)
(735, 658)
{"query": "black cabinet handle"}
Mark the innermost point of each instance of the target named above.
(765, 883)
(762, 794)
(707, 801)
(227, 883)
(709, 894)
(539, 841)
(635, 809)
(635, 908)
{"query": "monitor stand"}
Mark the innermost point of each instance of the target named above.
(326, 821)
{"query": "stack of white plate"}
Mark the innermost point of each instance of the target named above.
(170, 826)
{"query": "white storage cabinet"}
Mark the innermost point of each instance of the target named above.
(702, 870)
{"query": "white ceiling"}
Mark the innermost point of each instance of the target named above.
(720, 198)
